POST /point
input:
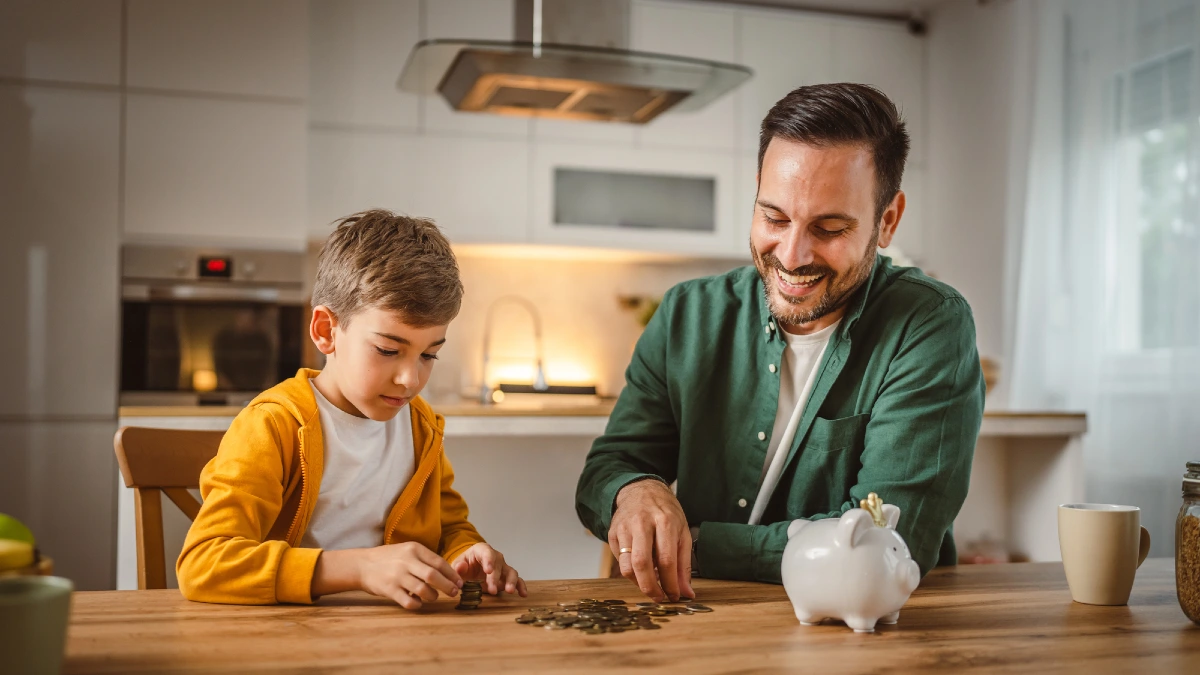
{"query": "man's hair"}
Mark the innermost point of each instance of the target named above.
(379, 259)
(844, 114)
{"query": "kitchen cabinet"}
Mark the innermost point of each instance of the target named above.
(357, 49)
(255, 48)
(745, 179)
(712, 165)
(477, 189)
(58, 265)
(59, 478)
(886, 56)
(61, 40)
(480, 20)
(785, 49)
(695, 30)
(204, 169)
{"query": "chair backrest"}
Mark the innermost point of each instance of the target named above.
(156, 462)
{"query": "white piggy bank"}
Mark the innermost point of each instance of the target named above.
(848, 568)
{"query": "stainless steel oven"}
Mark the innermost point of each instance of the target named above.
(203, 326)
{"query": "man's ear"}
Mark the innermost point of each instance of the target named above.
(320, 329)
(891, 219)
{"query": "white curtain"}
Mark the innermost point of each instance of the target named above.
(1107, 308)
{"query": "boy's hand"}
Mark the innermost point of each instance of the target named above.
(484, 563)
(408, 573)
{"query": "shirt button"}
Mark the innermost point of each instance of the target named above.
(771, 326)
(742, 503)
(762, 435)
(767, 330)
(771, 367)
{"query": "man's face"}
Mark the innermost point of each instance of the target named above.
(382, 362)
(814, 233)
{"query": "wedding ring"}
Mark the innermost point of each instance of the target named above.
(626, 550)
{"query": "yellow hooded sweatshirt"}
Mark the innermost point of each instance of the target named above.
(260, 491)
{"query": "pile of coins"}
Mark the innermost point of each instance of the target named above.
(594, 617)
(472, 595)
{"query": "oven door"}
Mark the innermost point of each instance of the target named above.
(206, 351)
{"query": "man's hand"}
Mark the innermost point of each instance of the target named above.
(650, 525)
(408, 573)
(484, 563)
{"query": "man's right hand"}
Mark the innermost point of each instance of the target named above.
(650, 524)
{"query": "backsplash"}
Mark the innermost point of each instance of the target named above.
(588, 336)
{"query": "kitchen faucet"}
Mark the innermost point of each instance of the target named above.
(539, 382)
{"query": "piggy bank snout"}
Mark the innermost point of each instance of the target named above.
(910, 576)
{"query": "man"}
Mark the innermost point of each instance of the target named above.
(794, 388)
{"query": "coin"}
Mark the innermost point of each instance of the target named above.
(614, 602)
(555, 626)
(699, 608)
(526, 618)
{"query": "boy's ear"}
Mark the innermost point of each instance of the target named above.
(320, 329)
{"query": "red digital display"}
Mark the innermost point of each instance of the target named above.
(216, 267)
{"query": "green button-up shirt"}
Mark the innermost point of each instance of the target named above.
(895, 410)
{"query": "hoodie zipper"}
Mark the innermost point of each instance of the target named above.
(303, 493)
(400, 515)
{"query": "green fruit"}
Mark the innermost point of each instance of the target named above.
(15, 554)
(11, 528)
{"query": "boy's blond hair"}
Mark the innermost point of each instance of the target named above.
(379, 259)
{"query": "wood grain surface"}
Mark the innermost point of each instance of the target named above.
(1016, 618)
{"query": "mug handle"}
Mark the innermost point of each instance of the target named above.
(1144, 547)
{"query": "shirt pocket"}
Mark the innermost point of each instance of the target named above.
(839, 434)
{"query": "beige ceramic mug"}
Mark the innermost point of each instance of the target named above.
(1102, 546)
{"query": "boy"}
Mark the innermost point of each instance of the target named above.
(336, 480)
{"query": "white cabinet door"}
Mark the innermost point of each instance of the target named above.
(357, 49)
(59, 479)
(58, 263)
(480, 20)
(61, 40)
(786, 50)
(745, 170)
(207, 170)
(222, 46)
(891, 59)
(477, 190)
(676, 162)
(699, 31)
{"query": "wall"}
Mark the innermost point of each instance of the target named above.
(975, 65)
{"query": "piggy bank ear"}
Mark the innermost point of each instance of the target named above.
(796, 526)
(851, 524)
(891, 513)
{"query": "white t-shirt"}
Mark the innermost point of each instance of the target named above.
(797, 374)
(367, 465)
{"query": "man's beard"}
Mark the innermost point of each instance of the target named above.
(838, 291)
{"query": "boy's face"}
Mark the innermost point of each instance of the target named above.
(377, 363)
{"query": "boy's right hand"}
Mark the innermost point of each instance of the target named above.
(408, 573)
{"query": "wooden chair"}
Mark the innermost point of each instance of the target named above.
(156, 462)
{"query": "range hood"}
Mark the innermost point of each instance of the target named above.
(569, 62)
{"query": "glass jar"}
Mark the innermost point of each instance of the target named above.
(1187, 545)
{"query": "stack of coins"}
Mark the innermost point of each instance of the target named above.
(472, 595)
(594, 617)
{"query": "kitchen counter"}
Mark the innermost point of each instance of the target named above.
(1014, 618)
(452, 409)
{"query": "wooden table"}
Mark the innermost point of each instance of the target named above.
(1015, 618)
